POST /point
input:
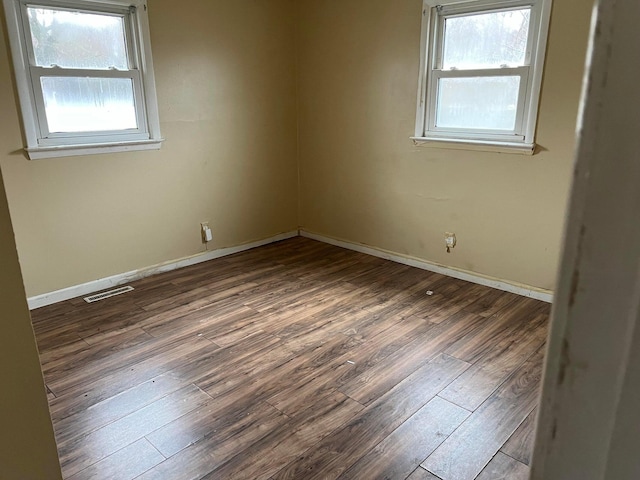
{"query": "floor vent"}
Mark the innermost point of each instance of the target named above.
(111, 293)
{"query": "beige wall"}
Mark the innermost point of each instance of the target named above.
(362, 180)
(226, 77)
(27, 445)
(226, 89)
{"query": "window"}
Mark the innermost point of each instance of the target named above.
(482, 71)
(84, 76)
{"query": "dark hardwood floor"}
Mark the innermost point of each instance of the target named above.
(297, 360)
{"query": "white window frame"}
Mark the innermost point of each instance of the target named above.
(522, 138)
(44, 144)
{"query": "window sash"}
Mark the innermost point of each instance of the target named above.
(125, 13)
(54, 138)
(453, 11)
(434, 88)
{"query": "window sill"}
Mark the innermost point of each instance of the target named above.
(476, 145)
(36, 153)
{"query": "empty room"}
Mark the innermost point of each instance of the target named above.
(294, 239)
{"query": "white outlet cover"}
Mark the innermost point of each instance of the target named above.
(450, 239)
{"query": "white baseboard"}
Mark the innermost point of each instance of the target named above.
(120, 279)
(116, 280)
(519, 289)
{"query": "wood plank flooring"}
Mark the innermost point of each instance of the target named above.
(297, 360)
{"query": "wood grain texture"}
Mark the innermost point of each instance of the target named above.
(467, 451)
(293, 360)
(290, 440)
(495, 329)
(375, 381)
(84, 421)
(500, 359)
(86, 450)
(219, 446)
(520, 444)
(337, 452)
(412, 442)
(125, 464)
(503, 467)
(421, 474)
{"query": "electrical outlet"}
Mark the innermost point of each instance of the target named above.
(450, 241)
(205, 232)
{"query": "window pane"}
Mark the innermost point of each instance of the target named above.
(489, 103)
(75, 104)
(77, 40)
(488, 40)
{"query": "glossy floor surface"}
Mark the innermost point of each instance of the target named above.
(297, 360)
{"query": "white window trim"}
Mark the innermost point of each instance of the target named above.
(524, 141)
(147, 138)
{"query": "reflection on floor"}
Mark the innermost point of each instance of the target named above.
(296, 360)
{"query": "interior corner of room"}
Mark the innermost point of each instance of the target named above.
(283, 119)
(270, 128)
